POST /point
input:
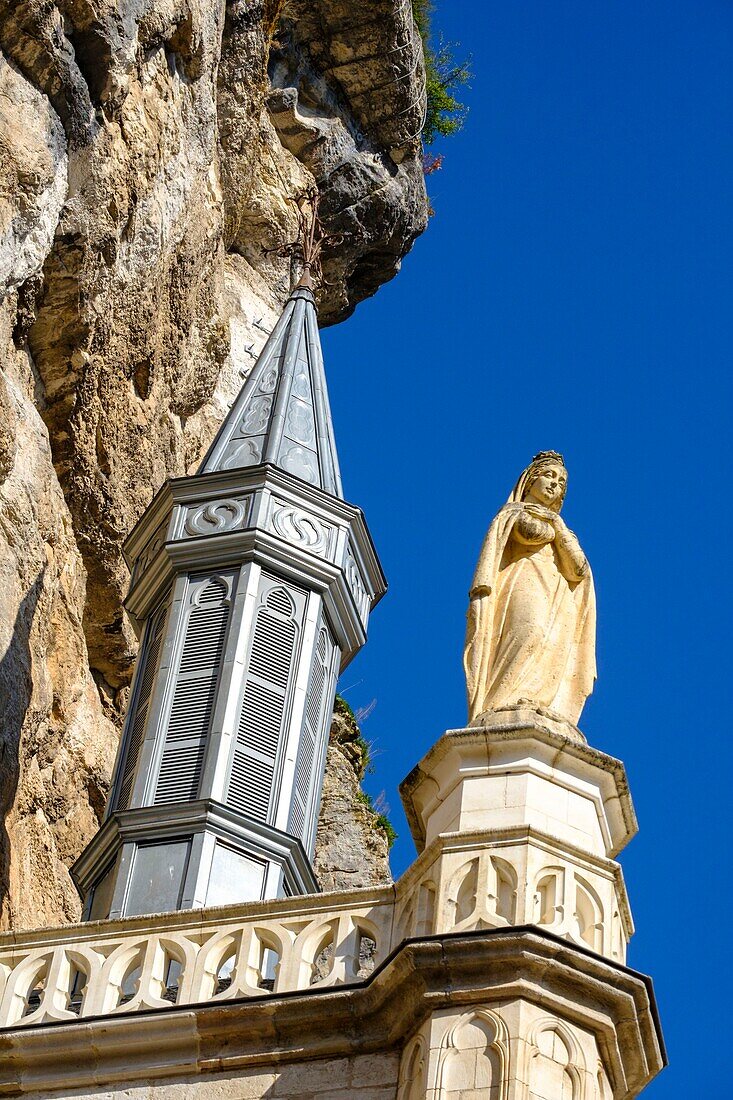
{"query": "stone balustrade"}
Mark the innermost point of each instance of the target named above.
(460, 882)
(517, 826)
(185, 958)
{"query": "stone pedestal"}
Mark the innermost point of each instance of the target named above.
(523, 1049)
(518, 821)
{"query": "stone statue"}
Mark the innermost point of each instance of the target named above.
(532, 616)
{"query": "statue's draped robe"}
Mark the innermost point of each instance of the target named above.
(531, 633)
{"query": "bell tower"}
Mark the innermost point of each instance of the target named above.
(252, 585)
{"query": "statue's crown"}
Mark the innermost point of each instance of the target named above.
(544, 457)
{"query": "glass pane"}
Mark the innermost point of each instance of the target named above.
(102, 896)
(157, 878)
(233, 877)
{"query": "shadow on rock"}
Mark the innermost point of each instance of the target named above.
(16, 688)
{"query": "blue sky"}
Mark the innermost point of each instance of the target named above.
(573, 291)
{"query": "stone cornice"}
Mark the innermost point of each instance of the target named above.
(420, 977)
(345, 567)
(146, 823)
(203, 486)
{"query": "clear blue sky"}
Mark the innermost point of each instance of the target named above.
(573, 291)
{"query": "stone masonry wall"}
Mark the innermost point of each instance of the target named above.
(363, 1077)
(150, 152)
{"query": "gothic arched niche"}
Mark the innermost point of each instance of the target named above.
(555, 1063)
(462, 897)
(602, 1086)
(474, 1058)
(427, 895)
(588, 915)
(412, 1071)
(506, 889)
(549, 897)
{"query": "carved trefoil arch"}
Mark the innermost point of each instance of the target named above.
(412, 1083)
(555, 1064)
(474, 1058)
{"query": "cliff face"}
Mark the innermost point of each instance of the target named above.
(352, 848)
(150, 152)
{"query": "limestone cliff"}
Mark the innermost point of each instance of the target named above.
(150, 151)
(352, 847)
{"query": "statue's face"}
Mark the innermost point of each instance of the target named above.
(549, 487)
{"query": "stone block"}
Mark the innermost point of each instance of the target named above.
(312, 1078)
(374, 1070)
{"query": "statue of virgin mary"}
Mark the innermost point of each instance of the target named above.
(532, 616)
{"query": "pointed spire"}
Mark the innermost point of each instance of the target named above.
(282, 414)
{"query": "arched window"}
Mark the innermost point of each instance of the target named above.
(194, 696)
(264, 704)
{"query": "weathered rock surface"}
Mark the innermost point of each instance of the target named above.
(56, 745)
(150, 152)
(351, 847)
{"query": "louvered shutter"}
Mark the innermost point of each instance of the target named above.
(313, 722)
(195, 691)
(136, 729)
(264, 703)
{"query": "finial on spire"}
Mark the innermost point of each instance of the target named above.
(282, 416)
(309, 242)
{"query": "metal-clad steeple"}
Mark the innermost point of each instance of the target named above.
(282, 415)
(252, 584)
